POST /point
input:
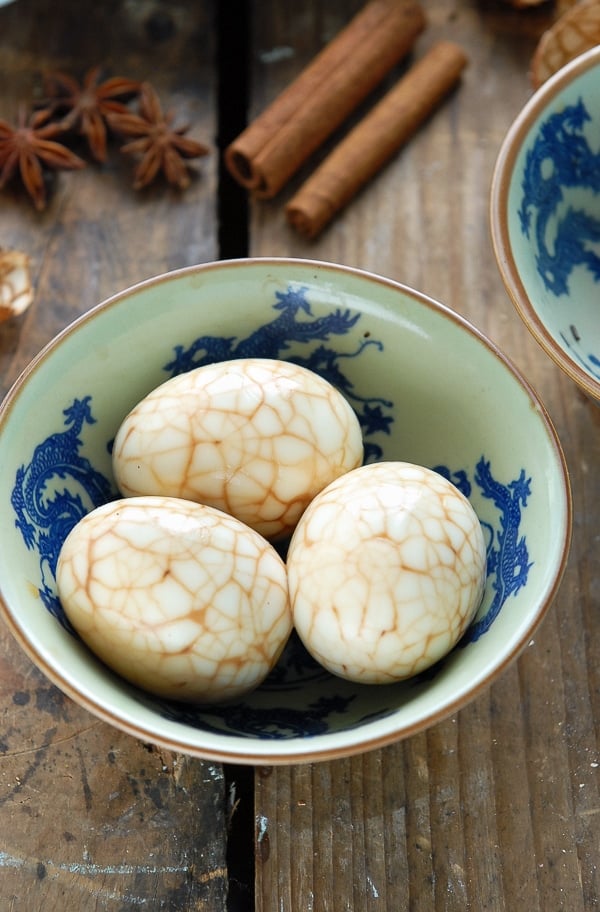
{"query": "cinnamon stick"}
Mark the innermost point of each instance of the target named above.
(279, 140)
(375, 139)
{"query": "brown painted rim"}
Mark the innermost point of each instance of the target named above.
(500, 186)
(309, 750)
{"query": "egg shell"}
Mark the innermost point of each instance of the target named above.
(257, 438)
(180, 599)
(386, 569)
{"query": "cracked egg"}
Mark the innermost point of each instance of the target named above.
(178, 598)
(427, 387)
(254, 437)
(386, 570)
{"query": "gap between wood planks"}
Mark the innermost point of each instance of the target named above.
(233, 67)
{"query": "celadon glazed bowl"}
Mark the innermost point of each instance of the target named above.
(427, 387)
(545, 218)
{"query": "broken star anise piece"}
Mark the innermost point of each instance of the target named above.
(157, 144)
(29, 149)
(87, 105)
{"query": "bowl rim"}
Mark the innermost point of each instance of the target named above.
(498, 215)
(307, 749)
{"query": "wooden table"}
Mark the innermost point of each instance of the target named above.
(496, 808)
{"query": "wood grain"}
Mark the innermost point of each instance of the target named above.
(97, 236)
(497, 807)
(91, 819)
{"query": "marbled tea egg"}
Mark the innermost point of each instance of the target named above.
(386, 569)
(255, 437)
(180, 599)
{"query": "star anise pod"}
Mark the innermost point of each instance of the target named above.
(29, 149)
(157, 144)
(88, 104)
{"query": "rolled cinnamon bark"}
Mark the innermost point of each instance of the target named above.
(279, 140)
(375, 139)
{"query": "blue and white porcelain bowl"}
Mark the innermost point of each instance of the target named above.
(427, 387)
(545, 218)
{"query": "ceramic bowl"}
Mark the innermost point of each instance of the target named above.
(545, 218)
(428, 388)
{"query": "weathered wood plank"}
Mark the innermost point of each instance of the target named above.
(93, 819)
(98, 235)
(497, 807)
(90, 818)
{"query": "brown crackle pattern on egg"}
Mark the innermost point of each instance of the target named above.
(386, 570)
(180, 599)
(257, 438)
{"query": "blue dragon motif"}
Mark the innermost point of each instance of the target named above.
(295, 324)
(459, 479)
(561, 159)
(271, 339)
(507, 552)
(45, 514)
(588, 360)
(47, 510)
(272, 723)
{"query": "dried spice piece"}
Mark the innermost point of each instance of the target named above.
(157, 144)
(87, 105)
(16, 290)
(272, 148)
(29, 148)
(561, 7)
(576, 31)
(373, 141)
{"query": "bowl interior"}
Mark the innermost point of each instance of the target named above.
(427, 388)
(546, 218)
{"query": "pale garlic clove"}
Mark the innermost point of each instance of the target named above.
(179, 599)
(386, 569)
(16, 290)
